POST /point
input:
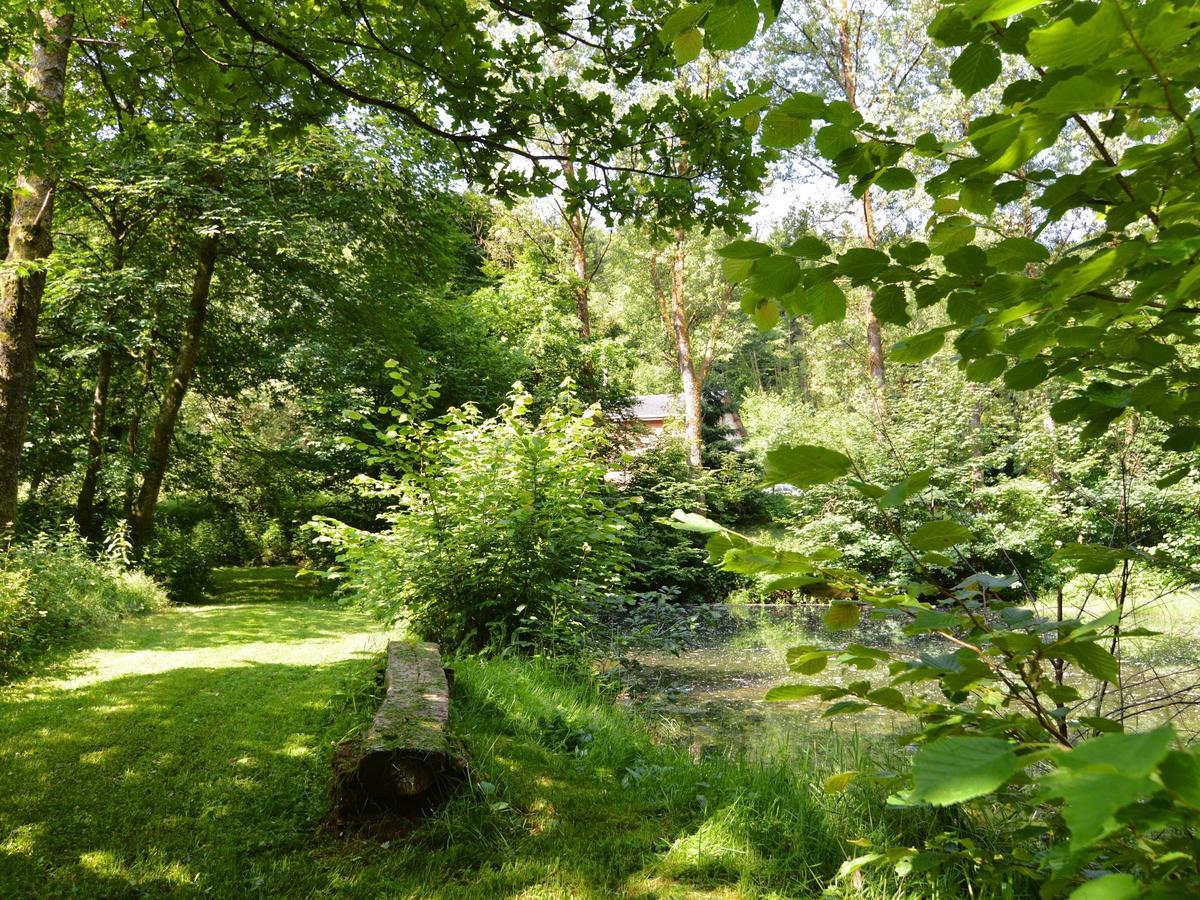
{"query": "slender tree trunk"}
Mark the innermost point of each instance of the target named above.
(874, 332)
(875, 365)
(133, 430)
(85, 507)
(578, 231)
(23, 281)
(579, 260)
(977, 446)
(688, 378)
(159, 452)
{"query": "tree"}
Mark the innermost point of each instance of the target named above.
(1112, 319)
(23, 278)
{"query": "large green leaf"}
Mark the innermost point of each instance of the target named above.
(861, 264)
(782, 130)
(1118, 886)
(826, 303)
(976, 67)
(940, 534)
(731, 24)
(953, 769)
(919, 347)
(774, 276)
(842, 615)
(1102, 776)
(804, 465)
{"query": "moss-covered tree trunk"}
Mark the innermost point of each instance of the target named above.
(23, 279)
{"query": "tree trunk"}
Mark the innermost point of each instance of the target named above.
(977, 446)
(405, 758)
(579, 259)
(23, 281)
(85, 507)
(578, 231)
(875, 365)
(159, 452)
(683, 354)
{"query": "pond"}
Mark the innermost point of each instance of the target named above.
(710, 692)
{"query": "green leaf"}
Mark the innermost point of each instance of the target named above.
(1026, 375)
(939, 535)
(950, 234)
(976, 67)
(747, 105)
(804, 465)
(782, 130)
(861, 264)
(1095, 91)
(1064, 43)
(744, 250)
(731, 24)
(1090, 657)
(1013, 254)
(773, 276)
(919, 347)
(766, 314)
(1002, 9)
(736, 270)
(896, 179)
(686, 521)
(989, 368)
(835, 784)
(785, 692)
(953, 769)
(1119, 886)
(842, 615)
(1092, 559)
(682, 19)
(808, 247)
(826, 303)
(687, 45)
(1180, 773)
(901, 491)
(833, 140)
(1103, 775)
(890, 304)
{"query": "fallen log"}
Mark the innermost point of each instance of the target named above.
(405, 760)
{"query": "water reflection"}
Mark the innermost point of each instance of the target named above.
(710, 692)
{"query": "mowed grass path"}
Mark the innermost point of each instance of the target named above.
(185, 752)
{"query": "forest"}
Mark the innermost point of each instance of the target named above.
(778, 417)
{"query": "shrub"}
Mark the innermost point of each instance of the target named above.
(663, 557)
(501, 536)
(52, 592)
(184, 560)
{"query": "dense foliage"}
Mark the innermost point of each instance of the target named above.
(501, 536)
(52, 593)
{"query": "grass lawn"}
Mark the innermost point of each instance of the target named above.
(188, 754)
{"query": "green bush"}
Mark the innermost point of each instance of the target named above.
(501, 536)
(665, 558)
(184, 560)
(52, 592)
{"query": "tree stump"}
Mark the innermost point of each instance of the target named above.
(404, 760)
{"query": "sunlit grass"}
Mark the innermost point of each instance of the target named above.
(191, 755)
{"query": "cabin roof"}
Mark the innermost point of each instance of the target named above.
(653, 407)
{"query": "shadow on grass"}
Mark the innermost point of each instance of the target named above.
(266, 584)
(174, 782)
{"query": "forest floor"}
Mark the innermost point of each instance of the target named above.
(189, 753)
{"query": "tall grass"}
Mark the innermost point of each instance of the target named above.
(550, 751)
(52, 593)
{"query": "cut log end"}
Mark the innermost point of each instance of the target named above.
(405, 762)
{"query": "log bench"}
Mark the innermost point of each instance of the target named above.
(404, 761)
